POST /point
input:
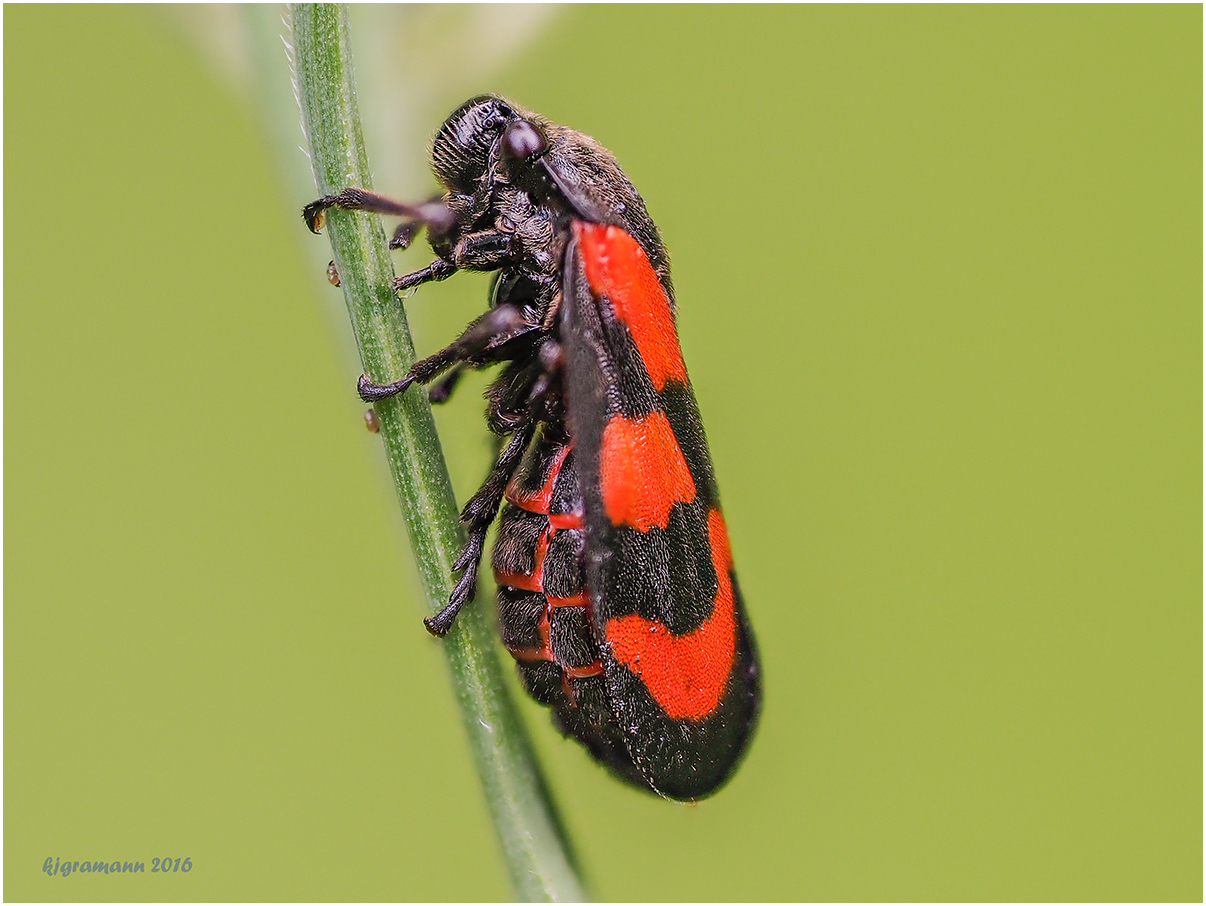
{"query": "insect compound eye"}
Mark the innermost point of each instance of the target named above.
(523, 141)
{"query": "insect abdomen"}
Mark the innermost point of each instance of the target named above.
(544, 610)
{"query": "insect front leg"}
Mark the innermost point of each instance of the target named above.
(485, 250)
(434, 214)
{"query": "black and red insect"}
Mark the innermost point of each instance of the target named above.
(616, 590)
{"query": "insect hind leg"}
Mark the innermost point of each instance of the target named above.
(479, 513)
(477, 517)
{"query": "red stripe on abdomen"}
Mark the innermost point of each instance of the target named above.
(537, 501)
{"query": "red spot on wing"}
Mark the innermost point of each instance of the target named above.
(618, 269)
(642, 471)
(687, 674)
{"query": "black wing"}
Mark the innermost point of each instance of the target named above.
(678, 655)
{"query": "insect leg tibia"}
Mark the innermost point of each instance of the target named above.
(483, 506)
(434, 214)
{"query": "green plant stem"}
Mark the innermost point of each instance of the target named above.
(534, 846)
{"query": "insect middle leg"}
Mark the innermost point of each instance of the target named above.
(482, 251)
(495, 327)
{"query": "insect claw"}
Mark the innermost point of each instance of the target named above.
(461, 594)
(441, 622)
(313, 214)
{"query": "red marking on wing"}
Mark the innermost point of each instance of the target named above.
(618, 270)
(642, 471)
(687, 674)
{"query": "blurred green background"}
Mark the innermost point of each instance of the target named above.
(940, 280)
